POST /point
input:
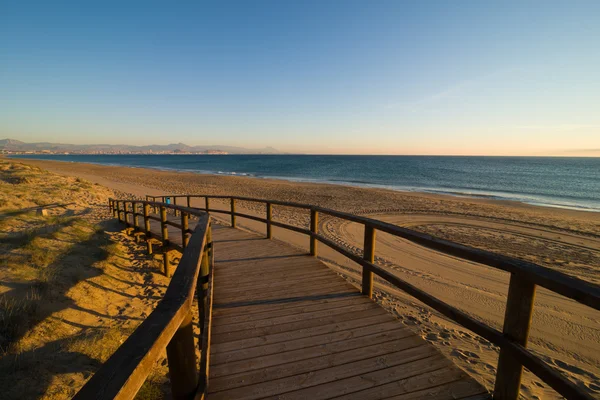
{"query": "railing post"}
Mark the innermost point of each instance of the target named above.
(314, 226)
(184, 229)
(207, 204)
(181, 356)
(269, 218)
(175, 203)
(136, 223)
(163, 225)
(125, 220)
(517, 321)
(147, 220)
(232, 212)
(368, 255)
(114, 208)
(119, 210)
(188, 201)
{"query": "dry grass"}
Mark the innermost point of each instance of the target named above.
(66, 285)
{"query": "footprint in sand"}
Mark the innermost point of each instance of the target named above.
(432, 337)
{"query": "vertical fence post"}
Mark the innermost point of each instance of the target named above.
(147, 220)
(232, 212)
(125, 213)
(368, 255)
(136, 223)
(175, 203)
(184, 229)
(207, 203)
(119, 210)
(181, 356)
(110, 206)
(163, 225)
(167, 262)
(517, 321)
(188, 201)
(269, 218)
(211, 250)
(314, 227)
(114, 209)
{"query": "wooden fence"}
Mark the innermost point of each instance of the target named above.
(170, 324)
(524, 278)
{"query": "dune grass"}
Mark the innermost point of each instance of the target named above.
(59, 319)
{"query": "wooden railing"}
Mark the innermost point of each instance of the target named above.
(169, 326)
(524, 277)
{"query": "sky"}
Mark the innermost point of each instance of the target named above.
(353, 77)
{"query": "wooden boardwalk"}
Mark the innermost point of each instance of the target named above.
(285, 326)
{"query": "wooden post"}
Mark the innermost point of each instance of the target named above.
(211, 251)
(175, 203)
(125, 212)
(167, 263)
(184, 228)
(147, 220)
(119, 210)
(232, 212)
(188, 201)
(181, 356)
(207, 204)
(205, 268)
(314, 228)
(136, 224)
(269, 218)
(114, 208)
(149, 246)
(368, 255)
(163, 225)
(517, 321)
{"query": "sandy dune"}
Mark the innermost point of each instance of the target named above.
(564, 333)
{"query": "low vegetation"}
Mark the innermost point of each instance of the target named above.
(72, 287)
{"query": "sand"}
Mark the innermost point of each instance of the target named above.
(564, 333)
(72, 285)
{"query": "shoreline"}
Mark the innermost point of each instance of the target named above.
(451, 193)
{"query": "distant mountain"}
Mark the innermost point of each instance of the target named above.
(12, 145)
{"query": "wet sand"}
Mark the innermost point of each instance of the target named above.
(564, 333)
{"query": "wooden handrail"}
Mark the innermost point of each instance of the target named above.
(525, 276)
(168, 326)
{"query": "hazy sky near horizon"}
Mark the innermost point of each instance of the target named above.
(374, 77)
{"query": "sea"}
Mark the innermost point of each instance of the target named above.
(563, 182)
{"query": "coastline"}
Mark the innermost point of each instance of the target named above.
(564, 333)
(495, 195)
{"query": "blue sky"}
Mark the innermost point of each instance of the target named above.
(377, 77)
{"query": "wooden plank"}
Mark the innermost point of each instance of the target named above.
(342, 378)
(300, 333)
(394, 367)
(325, 286)
(397, 389)
(258, 351)
(283, 311)
(461, 389)
(316, 357)
(263, 323)
(375, 310)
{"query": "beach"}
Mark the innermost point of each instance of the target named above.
(564, 333)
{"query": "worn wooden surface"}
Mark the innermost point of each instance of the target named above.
(285, 326)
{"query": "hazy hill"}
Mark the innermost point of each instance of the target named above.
(17, 145)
